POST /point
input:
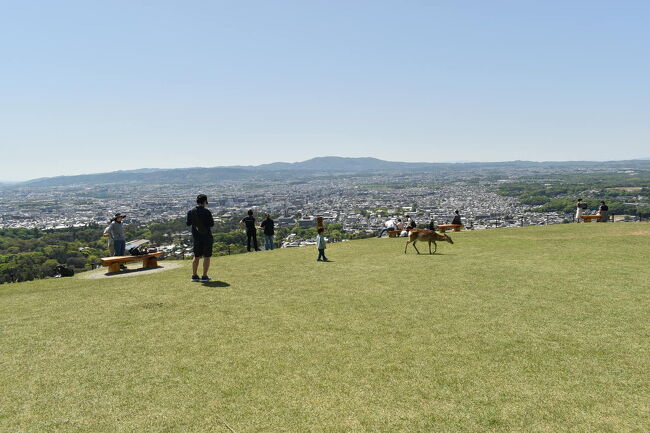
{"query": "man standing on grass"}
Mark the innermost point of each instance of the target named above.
(269, 230)
(251, 230)
(201, 220)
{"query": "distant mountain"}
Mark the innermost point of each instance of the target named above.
(337, 163)
(328, 165)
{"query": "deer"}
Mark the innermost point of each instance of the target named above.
(428, 236)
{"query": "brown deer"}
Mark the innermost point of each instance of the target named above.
(428, 236)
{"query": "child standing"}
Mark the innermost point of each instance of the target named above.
(321, 244)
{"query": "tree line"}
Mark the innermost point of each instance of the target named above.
(625, 193)
(28, 254)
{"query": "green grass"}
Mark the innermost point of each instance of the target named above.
(512, 330)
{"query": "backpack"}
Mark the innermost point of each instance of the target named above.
(63, 271)
(138, 251)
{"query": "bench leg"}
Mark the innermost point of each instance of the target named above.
(114, 268)
(442, 230)
(456, 229)
(150, 262)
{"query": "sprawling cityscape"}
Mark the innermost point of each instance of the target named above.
(358, 203)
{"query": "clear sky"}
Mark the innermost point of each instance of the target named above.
(91, 86)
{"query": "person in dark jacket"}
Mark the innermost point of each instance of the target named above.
(201, 221)
(456, 219)
(603, 210)
(269, 230)
(251, 230)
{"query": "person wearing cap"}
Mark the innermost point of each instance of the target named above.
(115, 231)
(200, 218)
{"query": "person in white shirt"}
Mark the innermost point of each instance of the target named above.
(580, 207)
(388, 226)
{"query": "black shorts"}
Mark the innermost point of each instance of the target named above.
(203, 246)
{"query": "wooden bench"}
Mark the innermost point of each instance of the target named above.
(148, 261)
(394, 233)
(443, 227)
(588, 218)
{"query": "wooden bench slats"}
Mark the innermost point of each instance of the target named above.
(148, 261)
(443, 227)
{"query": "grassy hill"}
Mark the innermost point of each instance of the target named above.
(541, 329)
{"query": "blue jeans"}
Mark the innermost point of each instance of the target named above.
(120, 246)
(268, 242)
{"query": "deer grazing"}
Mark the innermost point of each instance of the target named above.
(428, 236)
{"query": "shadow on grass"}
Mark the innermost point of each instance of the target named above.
(215, 284)
(432, 255)
(130, 271)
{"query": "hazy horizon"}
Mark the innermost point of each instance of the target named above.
(320, 156)
(100, 87)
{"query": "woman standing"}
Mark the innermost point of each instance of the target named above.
(115, 231)
(580, 206)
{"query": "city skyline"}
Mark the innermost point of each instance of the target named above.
(93, 88)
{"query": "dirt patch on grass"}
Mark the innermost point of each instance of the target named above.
(131, 271)
(641, 233)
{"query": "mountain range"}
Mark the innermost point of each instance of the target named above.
(320, 166)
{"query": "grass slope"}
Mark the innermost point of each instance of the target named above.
(511, 330)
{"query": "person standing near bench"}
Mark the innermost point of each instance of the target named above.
(115, 231)
(269, 230)
(580, 207)
(456, 219)
(251, 230)
(602, 212)
(201, 221)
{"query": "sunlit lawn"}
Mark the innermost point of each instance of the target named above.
(512, 330)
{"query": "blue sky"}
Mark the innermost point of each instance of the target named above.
(90, 86)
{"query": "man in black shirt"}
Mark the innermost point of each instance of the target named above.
(201, 220)
(251, 230)
(269, 230)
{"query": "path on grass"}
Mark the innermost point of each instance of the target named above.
(130, 272)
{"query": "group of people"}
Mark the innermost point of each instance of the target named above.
(396, 224)
(268, 227)
(603, 211)
(200, 218)
(201, 221)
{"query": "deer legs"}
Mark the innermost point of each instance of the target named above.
(407, 245)
(435, 246)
